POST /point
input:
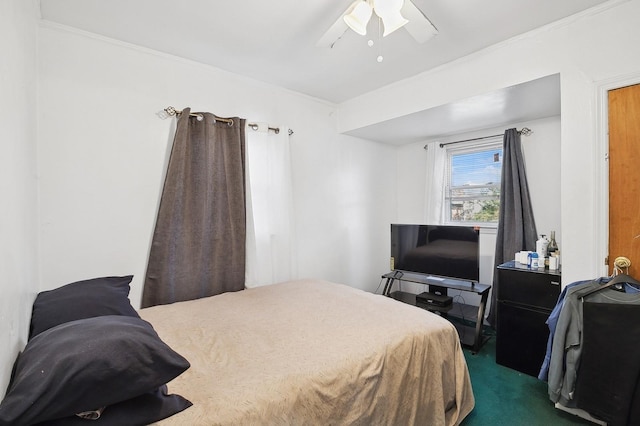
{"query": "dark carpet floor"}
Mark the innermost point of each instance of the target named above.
(508, 397)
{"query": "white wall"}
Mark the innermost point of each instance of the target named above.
(345, 197)
(586, 50)
(18, 121)
(102, 150)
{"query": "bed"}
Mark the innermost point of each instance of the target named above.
(296, 353)
(313, 352)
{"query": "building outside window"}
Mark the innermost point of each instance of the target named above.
(472, 184)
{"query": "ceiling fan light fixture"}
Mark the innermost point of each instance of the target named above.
(359, 17)
(394, 13)
(392, 22)
(389, 12)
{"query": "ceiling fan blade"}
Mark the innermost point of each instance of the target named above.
(333, 34)
(337, 30)
(419, 25)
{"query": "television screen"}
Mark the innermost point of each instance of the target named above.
(440, 250)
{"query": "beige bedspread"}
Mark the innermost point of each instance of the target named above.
(313, 353)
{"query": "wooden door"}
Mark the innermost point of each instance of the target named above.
(624, 176)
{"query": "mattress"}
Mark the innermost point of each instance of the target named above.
(312, 352)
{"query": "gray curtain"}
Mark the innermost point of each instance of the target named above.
(198, 246)
(516, 225)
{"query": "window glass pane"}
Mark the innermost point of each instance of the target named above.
(475, 210)
(473, 193)
(476, 168)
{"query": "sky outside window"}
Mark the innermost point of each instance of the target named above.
(476, 168)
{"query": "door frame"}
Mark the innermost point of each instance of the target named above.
(601, 152)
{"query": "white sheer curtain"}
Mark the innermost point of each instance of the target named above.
(434, 188)
(270, 223)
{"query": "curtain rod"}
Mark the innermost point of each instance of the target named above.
(172, 111)
(254, 126)
(524, 131)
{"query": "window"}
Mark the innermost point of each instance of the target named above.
(472, 187)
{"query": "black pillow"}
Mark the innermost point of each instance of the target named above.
(86, 364)
(142, 410)
(79, 300)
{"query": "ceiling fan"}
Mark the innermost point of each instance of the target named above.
(394, 14)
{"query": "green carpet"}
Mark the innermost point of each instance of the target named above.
(508, 397)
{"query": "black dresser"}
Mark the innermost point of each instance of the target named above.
(525, 299)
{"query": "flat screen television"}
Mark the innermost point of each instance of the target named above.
(440, 250)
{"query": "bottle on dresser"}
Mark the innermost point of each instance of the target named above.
(541, 248)
(553, 252)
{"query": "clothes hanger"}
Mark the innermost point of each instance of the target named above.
(619, 277)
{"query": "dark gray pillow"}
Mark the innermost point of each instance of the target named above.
(86, 364)
(142, 410)
(79, 300)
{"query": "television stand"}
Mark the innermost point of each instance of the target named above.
(470, 336)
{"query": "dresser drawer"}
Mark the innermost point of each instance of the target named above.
(528, 288)
(521, 340)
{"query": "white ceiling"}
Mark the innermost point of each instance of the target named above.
(528, 101)
(275, 41)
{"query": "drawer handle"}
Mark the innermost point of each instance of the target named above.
(555, 282)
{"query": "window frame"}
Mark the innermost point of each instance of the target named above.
(493, 143)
